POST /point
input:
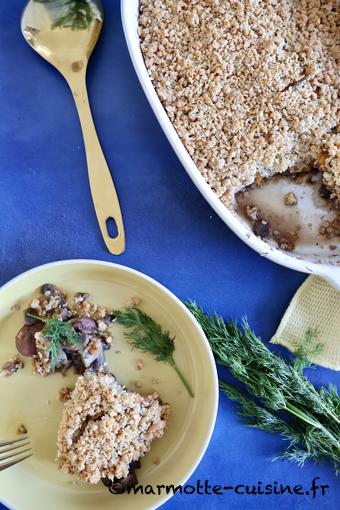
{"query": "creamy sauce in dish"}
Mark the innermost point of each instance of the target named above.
(301, 226)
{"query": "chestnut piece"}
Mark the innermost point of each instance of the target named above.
(25, 341)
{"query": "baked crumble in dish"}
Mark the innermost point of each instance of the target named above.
(88, 324)
(252, 87)
(106, 429)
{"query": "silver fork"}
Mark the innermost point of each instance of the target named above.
(12, 451)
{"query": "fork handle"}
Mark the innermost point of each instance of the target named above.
(104, 194)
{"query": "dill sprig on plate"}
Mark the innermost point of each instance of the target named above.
(277, 396)
(147, 336)
(74, 14)
(59, 335)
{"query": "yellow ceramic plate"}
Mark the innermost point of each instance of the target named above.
(36, 484)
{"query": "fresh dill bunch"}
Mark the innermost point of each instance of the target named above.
(278, 397)
(147, 336)
(59, 334)
(307, 350)
(259, 417)
(74, 14)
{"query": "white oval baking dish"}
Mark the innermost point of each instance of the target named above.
(327, 266)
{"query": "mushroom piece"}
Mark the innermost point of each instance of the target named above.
(66, 313)
(93, 355)
(62, 360)
(25, 340)
(49, 287)
(99, 364)
(85, 325)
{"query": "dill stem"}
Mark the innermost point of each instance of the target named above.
(172, 363)
(311, 421)
(332, 415)
(37, 317)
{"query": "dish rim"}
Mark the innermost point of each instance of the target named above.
(129, 15)
(178, 302)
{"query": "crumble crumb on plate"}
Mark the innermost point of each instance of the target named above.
(11, 366)
(21, 429)
(64, 394)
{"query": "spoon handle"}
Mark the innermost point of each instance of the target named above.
(104, 195)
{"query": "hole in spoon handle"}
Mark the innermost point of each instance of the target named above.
(114, 236)
(112, 228)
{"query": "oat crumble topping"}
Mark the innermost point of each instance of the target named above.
(105, 428)
(250, 86)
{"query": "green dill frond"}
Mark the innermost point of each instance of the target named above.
(74, 14)
(53, 348)
(306, 351)
(278, 397)
(59, 334)
(147, 335)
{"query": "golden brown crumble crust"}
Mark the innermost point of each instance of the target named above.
(250, 86)
(105, 427)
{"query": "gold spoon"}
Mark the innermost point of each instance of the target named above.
(65, 33)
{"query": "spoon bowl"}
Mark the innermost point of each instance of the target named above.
(65, 34)
(65, 47)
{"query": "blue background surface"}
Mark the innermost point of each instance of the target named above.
(46, 214)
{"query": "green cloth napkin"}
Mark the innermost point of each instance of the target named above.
(316, 305)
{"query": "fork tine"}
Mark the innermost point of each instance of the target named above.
(9, 464)
(13, 441)
(10, 449)
(11, 455)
